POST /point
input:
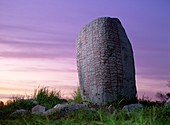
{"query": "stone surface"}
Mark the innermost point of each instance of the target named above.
(132, 107)
(34, 102)
(62, 109)
(167, 103)
(50, 111)
(19, 112)
(38, 109)
(105, 62)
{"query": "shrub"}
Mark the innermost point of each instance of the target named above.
(16, 104)
(1, 104)
(163, 96)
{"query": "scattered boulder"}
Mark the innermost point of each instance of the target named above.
(19, 112)
(38, 109)
(132, 107)
(62, 109)
(50, 111)
(167, 103)
(34, 102)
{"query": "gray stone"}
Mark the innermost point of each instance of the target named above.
(19, 112)
(38, 109)
(132, 107)
(50, 111)
(167, 103)
(105, 62)
(34, 102)
(62, 109)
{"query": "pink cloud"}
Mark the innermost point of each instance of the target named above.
(39, 69)
(35, 55)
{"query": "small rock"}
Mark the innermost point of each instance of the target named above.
(38, 109)
(19, 112)
(59, 106)
(167, 103)
(50, 111)
(34, 102)
(66, 108)
(71, 107)
(132, 107)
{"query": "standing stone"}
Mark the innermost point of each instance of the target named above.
(105, 62)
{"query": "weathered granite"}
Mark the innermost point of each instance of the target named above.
(62, 109)
(19, 112)
(132, 107)
(105, 62)
(167, 103)
(38, 109)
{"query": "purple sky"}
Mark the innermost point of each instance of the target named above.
(37, 42)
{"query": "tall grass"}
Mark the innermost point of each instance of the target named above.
(48, 98)
(77, 96)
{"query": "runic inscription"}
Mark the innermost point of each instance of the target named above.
(105, 62)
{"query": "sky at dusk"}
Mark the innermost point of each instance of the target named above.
(37, 42)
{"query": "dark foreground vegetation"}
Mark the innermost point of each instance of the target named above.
(153, 113)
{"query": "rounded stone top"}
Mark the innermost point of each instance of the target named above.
(108, 19)
(101, 20)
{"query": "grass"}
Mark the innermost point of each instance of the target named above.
(154, 113)
(48, 98)
(77, 96)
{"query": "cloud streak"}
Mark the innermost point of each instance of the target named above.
(38, 69)
(27, 29)
(35, 55)
(51, 46)
(22, 44)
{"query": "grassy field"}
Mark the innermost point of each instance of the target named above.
(153, 113)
